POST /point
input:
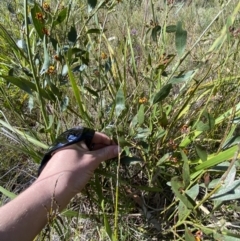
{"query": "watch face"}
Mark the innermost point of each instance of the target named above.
(67, 138)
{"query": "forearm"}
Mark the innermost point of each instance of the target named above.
(25, 216)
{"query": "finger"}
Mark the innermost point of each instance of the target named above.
(106, 153)
(100, 138)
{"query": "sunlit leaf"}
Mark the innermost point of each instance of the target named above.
(61, 17)
(140, 115)
(180, 39)
(46, 62)
(7, 193)
(120, 102)
(183, 77)
(30, 103)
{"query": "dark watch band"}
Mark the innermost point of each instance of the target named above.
(68, 138)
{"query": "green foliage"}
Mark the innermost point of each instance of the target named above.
(162, 80)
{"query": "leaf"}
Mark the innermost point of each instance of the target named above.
(140, 115)
(177, 185)
(180, 39)
(120, 102)
(183, 78)
(186, 171)
(46, 62)
(94, 30)
(208, 124)
(188, 235)
(91, 5)
(202, 154)
(72, 34)
(162, 94)
(64, 103)
(61, 17)
(30, 103)
(171, 28)
(214, 159)
(38, 24)
(155, 32)
(7, 193)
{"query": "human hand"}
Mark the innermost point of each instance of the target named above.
(71, 168)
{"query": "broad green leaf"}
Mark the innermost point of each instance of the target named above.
(140, 115)
(120, 102)
(188, 235)
(202, 154)
(61, 17)
(166, 157)
(226, 235)
(7, 193)
(155, 32)
(162, 94)
(186, 171)
(72, 34)
(21, 83)
(214, 159)
(180, 39)
(37, 23)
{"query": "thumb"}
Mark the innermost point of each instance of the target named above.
(106, 153)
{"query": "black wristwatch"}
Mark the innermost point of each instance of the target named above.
(67, 138)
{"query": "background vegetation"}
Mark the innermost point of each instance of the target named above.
(160, 77)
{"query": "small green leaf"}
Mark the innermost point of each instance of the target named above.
(188, 235)
(180, 39)
(171, 28)
(208, 123)
(7, 193)
(64, 103)
(94, 30)
(61, 17)
(120, 102)
(155, 32)
(162, 94)
(140, 115)
(72, 34)
(202, 154)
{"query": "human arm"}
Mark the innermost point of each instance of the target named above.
(63, 177)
